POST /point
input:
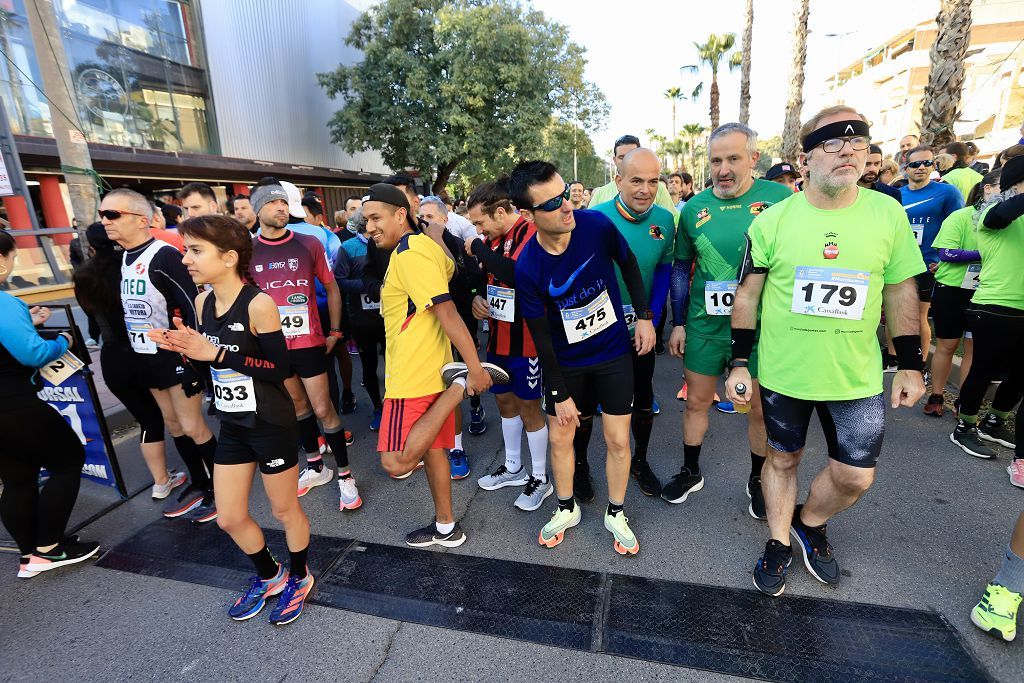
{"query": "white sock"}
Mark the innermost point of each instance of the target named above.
(458, 442)
(512, 431)
(444, 529)
(538, 441)
(461, 381)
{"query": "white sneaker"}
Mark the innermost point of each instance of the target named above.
(348, 494)
(310, 478)
(174, 480)
(24, 572)
(534, 494)
(501, 477)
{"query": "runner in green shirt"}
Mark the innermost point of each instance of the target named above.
(961, 176)
(710, 238)
(821, 265)
(649, 230)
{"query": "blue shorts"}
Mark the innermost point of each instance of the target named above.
(524, 374)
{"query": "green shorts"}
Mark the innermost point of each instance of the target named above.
(711, 356)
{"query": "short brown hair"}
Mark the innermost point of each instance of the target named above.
(919, 148)
(957, 149)
(812, 123)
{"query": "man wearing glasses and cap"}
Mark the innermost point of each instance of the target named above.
(570, 299)
(819, 267)
(606, 193)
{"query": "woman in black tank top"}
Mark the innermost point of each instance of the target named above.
(240, 338)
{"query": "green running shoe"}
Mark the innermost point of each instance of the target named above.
(997, 612)
(552, 533)
(625, 540)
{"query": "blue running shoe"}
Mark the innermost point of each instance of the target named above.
(656, 407)
(250, 604)
(725, 407)
(477, 426)
(293, 599)
(375, 422)
(459, 463)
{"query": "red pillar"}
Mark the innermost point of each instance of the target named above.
(55, 215)
(239, 188)
(17, 214)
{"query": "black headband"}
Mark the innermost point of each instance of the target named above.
(835, 130)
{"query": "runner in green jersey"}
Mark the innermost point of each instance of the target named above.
(648, 230)
(821, 264)
(711, 231)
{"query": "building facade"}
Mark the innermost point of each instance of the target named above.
(887, 83)
(171, 91)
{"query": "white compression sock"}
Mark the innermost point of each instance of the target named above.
(458, 442)
(512, 430)
(444, 528)
(538, 441)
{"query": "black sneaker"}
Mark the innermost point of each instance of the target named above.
(994, 429)
(967, 438)
(681, 486)
(641, 471)
(770, 570)
(756, 496)
(348, 403)
(188, 498)
(69, 551)
(429, 535)
(582, 486)
(205, 512)
(817, 552)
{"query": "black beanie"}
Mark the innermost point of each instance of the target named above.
(1013, 173)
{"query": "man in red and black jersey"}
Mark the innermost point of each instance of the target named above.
(510, 345)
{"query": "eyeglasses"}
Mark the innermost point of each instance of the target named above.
(927, 163)
(112, 215)
(554, 203)
(858, 142)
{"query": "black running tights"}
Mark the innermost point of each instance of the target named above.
(33, 436)
(998, 339)
(367, 339)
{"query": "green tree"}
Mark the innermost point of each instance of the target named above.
(582, 105)
(710, 54)
(770, 148)
(674, 94)
(444, 81)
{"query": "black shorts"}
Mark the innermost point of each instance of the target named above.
(925, 284)
(853, 429)
(272, 447)
(609, 384)
(949, 310)
(308, 362)
(165, 369)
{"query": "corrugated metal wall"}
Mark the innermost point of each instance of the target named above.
(263, 57)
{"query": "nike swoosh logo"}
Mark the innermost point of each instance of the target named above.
(56, 558)
(923, 201)
(559, 291)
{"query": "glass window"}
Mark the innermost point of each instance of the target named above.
(31, 268)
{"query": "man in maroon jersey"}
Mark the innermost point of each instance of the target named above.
(510, 345)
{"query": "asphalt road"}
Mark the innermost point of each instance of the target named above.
(928, 535)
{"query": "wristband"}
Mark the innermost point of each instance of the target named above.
(742, 342)
(734, 363)
(336, 334)
(908, 352)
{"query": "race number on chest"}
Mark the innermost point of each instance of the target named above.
(830, 292)
(501, 302)
(233, 392)
(719, 296)
(294, 320)
(586, 321)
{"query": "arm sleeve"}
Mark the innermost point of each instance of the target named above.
(959, 255)
(659, 289)
(1002, 214)
(496, 264)
(179, 283)
(273, 366)
(18, 336)
(680, 289)
(540, 330)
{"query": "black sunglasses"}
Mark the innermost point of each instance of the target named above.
(554, 203)
(112, 215)
(927, 163)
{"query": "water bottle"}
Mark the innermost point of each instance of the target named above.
(741, 389)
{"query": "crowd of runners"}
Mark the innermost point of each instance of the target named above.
(800, 290)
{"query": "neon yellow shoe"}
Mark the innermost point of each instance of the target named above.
(625, 541)
(997, 612)
(553, 532)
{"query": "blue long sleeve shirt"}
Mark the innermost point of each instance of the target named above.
(22, 350)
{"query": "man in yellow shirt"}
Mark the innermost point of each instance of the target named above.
(420, 326)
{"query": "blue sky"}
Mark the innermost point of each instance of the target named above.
(635, 49)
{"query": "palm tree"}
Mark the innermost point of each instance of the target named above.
(791, 129)
(692, 131)
(674, 94)
(744, 56)
(946, 76)
(710, 54)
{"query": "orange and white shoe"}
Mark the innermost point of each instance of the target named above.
(293, 599)
(626, 542)
(348, 494)
(552, 533)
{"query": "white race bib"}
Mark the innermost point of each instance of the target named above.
(719, 296)
(586, 321)
(629, 317)
(971, 277)
(56, 372)
(233, 392)
(501, 302)
(830, 292)
(918, 233)
(368, 303)
(294, 320)
(140, 341)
